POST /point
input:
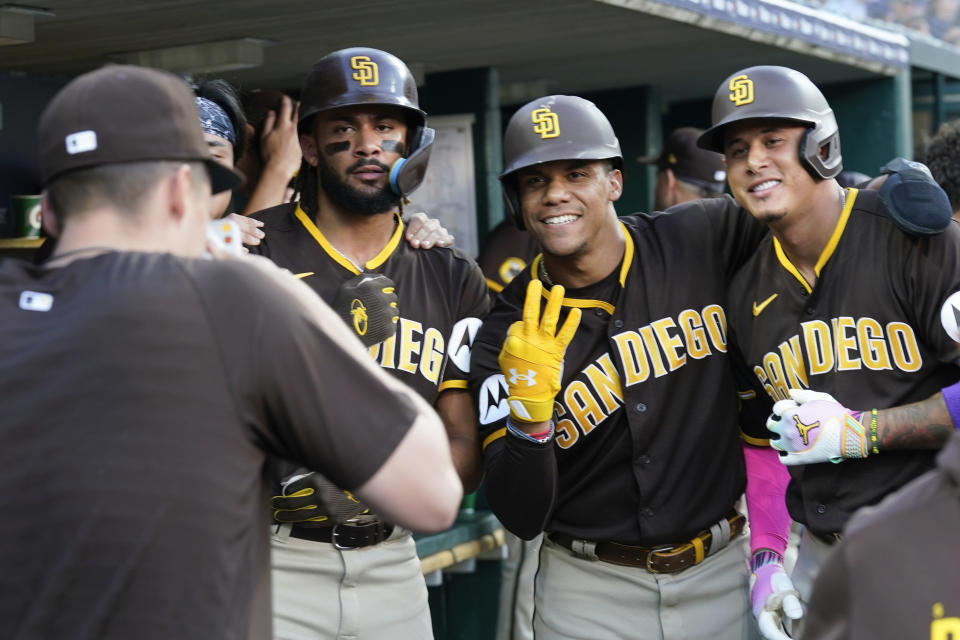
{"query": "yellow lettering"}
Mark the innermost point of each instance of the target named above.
(606, 382)
(409, 346)
(873, 348)
(903, 343)
(672, 345)
(583, 407)
(793, 363)
(650, 341)
(564, 433)
(694, 335)
(716, 323)
(816, 338)
(388, 351)
(845, 343)
(762, 377)
(432, 358)
(771, 364)
(633, 357)
(945, 629)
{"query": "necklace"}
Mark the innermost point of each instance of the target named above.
(544, 276)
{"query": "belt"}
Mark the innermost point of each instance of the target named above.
(346, 535)
(662, 559)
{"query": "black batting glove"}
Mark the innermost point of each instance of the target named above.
(368, 304)
(309, 498)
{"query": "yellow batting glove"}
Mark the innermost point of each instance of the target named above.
(532, 356)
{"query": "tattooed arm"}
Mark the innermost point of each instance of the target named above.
(922, 425)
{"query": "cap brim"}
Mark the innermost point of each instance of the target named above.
(223, 178)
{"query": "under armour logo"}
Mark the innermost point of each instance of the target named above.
(368, 74)
(804, 429)
(530, 377)
(359, 313)
(741, 90)
(545, 122)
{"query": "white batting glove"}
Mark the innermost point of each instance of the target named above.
(775, 601)
(813, 427)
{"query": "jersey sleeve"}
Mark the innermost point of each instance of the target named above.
(473, 305)
(931, 274)
(755, 405)
(732, 230)
(303, 383)
(521, 476)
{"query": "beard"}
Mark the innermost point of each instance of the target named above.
(354, 200)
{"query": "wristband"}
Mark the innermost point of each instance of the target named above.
(539, 438)
(874, 444)
(763, 557)
(951, 396)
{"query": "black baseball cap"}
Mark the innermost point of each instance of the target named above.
(688, 161)
(123, 113)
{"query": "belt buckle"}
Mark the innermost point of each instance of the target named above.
(650, 553)
(336, 543)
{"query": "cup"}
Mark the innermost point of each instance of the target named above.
(26, 216)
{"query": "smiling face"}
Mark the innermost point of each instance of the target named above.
(764, 168)
(354, 148)
(566, 205)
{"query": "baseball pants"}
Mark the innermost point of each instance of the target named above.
(515, 615)
(811, 554)
(372, 593)
(579, 599)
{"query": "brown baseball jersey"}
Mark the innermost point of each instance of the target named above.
(896, 574)
(868, 332)
(507, 251)
(647, 447)
(442, 296)
(142, 394)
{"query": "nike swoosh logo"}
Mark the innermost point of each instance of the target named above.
(758, 308)
(301, 276)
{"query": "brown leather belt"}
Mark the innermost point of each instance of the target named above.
(347, 535)
(664, 559)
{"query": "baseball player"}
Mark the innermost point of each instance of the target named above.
(136, 374)
(914, 592)
(838, 302)
(365, 145)
(685, 172)
(618, 439)
(942, 154)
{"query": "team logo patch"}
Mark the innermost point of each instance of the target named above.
(545, 122)
(741, 90)
(510, 268)
(493, 403)
(461, 341)
(950, 316)
(368, 73)
(359, 313)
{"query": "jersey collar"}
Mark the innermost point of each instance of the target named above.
(584, 303)
(338, 257)
(827, 250)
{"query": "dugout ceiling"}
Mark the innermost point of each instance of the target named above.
(538, 46)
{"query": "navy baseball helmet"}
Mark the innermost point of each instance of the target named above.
(554, 128)
(783, 94)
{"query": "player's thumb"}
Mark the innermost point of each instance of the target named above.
(809, 395)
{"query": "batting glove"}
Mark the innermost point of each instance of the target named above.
(775, 601)
(814, 427)
(311, 498)
(368, 304)
(532, 356)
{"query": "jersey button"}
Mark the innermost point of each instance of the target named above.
(643, 459)
(640, 407)
(646, 512)
(599, 313)
(821, 508)
(810, 311)
(618, 324)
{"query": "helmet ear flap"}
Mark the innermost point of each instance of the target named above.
(821, 167)
(511, 201)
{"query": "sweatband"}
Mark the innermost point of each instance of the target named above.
(214, 120)
(951, 395)
(767, 481)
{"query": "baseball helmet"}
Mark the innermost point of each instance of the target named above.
(554, 128)
(784, 94)
(359, 76)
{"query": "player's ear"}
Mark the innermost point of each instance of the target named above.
(308, 145)
(615, 177)
(48, 217)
